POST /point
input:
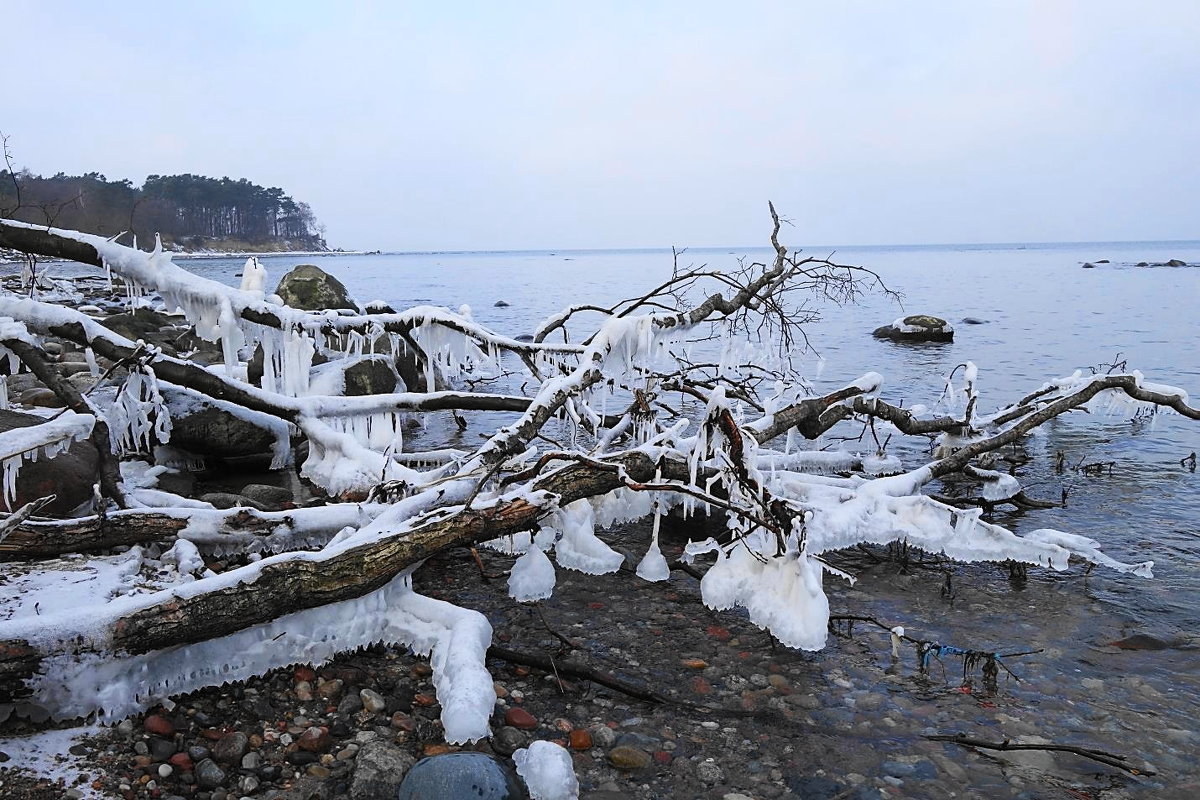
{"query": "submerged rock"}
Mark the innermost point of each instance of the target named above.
(501, 304)
(311, 288)
(917, 328)
(473, 775)
(1088, 265)
(1175, 262)
(973, 321)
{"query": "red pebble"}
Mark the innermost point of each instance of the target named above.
(159, 725)
(662, 757)
(181, 762)
(719, 633)
(700, 685)
(314, 739)
(581, 739)
(520, 718)
(595, 606)
(304, 674)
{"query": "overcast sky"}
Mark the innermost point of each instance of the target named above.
(527, 125)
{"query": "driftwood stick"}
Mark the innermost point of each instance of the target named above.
(1110, 759)
(576, 670)
(23, 513)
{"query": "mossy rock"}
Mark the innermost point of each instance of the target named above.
(310, 288)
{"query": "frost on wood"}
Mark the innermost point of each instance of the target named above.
(690, 400)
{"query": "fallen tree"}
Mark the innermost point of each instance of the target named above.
(692, 435)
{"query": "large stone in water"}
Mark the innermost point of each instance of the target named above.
(474, 775)
(313, 289)
(917, 328)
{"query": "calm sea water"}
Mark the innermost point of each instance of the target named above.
(1045, 317)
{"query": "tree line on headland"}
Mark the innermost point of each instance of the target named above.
(192, 212)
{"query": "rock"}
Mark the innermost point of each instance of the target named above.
(379, 307)
(314, 739)
(520, 718)
(176, 482)
(709, 772)
(69, 475)
(331, 690)
(270, 497)
(379, 768)
(917, 328)
(507, 740)
(230, 748)
(141, 323)
(209, 775)
(629, 758)
(973, 321)
(40, 397)
(1175, 262)
(1089, 265)
(311, 288)
(603, 736)
(370, 375)
(524, 337)
(209, 431)
(467, 775)
(372, 700)
(1140, 641)
(580, 739)
(501, 304)
(1142, 264)
(159, 725)
(1102, 261)
(230, 500)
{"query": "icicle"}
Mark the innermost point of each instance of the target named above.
(653, 566)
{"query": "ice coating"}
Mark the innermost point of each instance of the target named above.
(547, 770)
(782, 594)
(653, 566)
(579, 548)
(455, 639)
(532, 577)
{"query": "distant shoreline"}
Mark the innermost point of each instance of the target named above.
(207, 254)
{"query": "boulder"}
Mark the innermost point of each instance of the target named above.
(141, 323)
(1089, 265)
(311, 288)
(206, 430)
(352, 377)
(370, 375)
(379, 768)
(973, 321)
(274, 498)
(69, 475)
(464, 774)
(1175, 262)
(917, 328)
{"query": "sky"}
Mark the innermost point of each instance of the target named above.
(522, 125)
